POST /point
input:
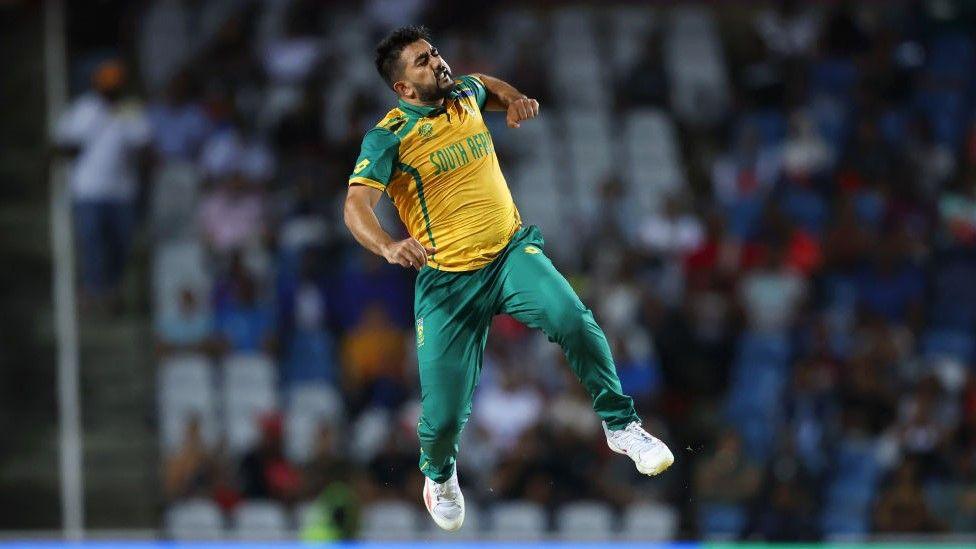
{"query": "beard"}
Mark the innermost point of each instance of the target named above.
(435, 92)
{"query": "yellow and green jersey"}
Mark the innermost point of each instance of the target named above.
(439, 167)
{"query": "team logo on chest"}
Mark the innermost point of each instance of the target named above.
(426, 130)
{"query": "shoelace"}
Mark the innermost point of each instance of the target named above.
(442, 491)
(637, 433)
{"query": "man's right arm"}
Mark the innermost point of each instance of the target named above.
(373, 172)
(360, 216)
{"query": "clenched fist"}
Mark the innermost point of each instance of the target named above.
(521, 109)
(407, 253)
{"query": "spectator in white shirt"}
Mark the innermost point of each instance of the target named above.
(772, 294)
(106, 135)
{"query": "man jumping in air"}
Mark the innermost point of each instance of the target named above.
(434, 157)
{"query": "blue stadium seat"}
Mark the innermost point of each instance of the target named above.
(839, 522)
(835, 77)
(806, 207)
(310, 356)
(954, 296)
(770, 123)
(957, 344)
(764, 347)
(721, 520)
(951, 55)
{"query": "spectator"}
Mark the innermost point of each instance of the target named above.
(188, 472)
(292, 58)
(901, 506)
(726, 476)
(805, 152)
(232, 215)
(927, 420)
(327, 464)
(393, 470)
(891, 286)
(789, 29)
(507, 408)
(189, 327)
(957, 210)
(264, 470)
(105, 132)
(772, 295)
(785, 509)
(303, 322)
(372, 359)
(673, 232)
(245, 322)
(180, 126)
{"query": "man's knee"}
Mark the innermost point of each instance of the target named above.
(570, 320)
(441, 426)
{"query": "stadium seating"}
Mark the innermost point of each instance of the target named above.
(388, 521)
(720, 521)
(310, 406)
(518, 521)
(179, 264)
(590, 145)
(261, 520)
(175, 188)
(556, 166)
(631, 29)
(585, 520)
(947, 343)
(577, 60)
(850, 494)
(653, 160)
(249, 390)
(695, 65)
(194, 520)
(649, 522)
(305, 515)
(186, 389)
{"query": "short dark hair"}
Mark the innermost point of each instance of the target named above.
(389, 49)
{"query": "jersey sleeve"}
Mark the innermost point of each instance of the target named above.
(377, 159)
(476, 88)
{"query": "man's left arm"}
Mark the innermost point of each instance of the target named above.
(502, 96)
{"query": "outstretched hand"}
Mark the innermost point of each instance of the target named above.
(408, 253)
(521, 109)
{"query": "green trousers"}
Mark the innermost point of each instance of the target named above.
(453, 312)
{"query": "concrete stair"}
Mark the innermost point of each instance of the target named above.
(117, 376)
(121, 458)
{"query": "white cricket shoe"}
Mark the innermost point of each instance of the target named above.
(445, 502)
(650, 454)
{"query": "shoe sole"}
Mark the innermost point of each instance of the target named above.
(448, 526)
(650, 470)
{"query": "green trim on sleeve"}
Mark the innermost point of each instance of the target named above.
(378, 157)
(477, 88)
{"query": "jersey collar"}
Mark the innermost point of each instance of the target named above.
(421, 111)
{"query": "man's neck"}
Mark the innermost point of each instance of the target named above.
(419, 103)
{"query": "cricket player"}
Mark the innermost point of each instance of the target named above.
(434, 157)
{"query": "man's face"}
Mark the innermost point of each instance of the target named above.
(426, 75)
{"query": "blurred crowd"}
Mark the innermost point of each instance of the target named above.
(797, 321)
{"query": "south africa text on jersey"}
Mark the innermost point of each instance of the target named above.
(461, 152)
